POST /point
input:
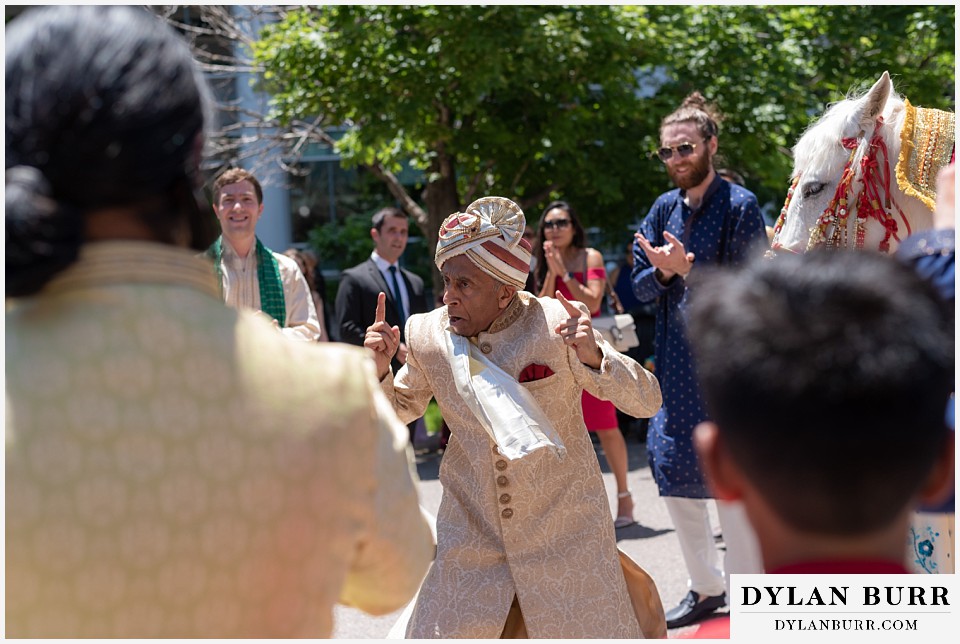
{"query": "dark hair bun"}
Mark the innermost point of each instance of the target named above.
(104, 109)
(43, 236)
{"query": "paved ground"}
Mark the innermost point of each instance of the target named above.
(651, 542)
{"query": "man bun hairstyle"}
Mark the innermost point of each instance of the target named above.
(695, 108)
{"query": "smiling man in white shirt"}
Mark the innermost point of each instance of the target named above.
(251, 275)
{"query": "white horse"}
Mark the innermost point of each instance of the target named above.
(864, 177)
(864, 174)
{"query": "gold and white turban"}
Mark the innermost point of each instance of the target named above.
(490, 234)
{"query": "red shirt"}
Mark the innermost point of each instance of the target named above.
(592, 274)
(842, 567)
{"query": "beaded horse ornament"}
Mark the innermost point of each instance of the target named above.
(864, 178)
(852, 150)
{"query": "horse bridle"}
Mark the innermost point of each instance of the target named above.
(875, 179)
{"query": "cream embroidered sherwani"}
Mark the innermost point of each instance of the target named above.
(534, 527)
(176, 468)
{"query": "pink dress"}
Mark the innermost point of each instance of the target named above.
(599, 415)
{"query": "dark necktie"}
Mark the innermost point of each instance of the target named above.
(398, 300)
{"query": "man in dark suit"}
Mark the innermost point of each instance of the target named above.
(357, 295)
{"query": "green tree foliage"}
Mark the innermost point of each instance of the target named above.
(528, 102)
(348, 241)
(773, 70)
(537, 102)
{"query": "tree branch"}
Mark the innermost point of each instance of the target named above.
(519, 175)
(543, 195)
(477, 178)
(400, 193)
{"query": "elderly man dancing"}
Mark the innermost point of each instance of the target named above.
(525, 546)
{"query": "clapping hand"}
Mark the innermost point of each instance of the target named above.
(577, 332)
(671, 258)
(382, 339)
(554, 259)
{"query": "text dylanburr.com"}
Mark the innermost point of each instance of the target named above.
(845, 608)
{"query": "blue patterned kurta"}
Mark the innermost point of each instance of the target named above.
(723, 230)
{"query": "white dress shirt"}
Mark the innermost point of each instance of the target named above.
(384, 267)
(241, 290)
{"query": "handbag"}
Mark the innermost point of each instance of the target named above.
(618, 329)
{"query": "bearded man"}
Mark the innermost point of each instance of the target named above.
(524, 543)
(715, 223)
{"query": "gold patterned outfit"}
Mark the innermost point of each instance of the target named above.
(536, 527)
(176, 468)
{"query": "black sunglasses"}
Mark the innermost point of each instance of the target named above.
(684, 149)
(556, 223)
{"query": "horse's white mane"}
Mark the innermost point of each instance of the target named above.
(842, 119)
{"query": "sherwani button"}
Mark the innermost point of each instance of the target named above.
(486, 347)
(507, 513)
(504, 498)
(501, 465)
(502, 481)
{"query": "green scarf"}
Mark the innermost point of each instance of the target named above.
(268, 275)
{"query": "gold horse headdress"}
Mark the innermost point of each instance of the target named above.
(926, 145)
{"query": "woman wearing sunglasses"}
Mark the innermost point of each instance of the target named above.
(565, 264)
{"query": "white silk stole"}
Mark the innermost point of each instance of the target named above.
(502, 406)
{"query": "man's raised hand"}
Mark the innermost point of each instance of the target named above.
(671, 258)
(577, 332)
(381, 338)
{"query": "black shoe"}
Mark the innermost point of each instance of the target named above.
(691, 609)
